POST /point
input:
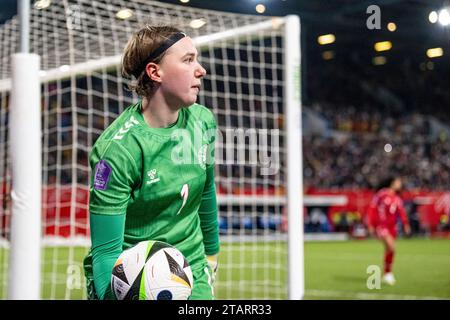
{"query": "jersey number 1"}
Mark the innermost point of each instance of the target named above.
(184, 194)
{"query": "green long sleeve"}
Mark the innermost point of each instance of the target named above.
(107, 239)
(208, 215)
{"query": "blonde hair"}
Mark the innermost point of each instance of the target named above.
(136, 53)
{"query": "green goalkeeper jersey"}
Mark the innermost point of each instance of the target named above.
(156, 178)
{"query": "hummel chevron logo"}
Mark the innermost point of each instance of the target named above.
(127, 126)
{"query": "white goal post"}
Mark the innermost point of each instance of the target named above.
(252, 87)
(25, 128)
(25, 132)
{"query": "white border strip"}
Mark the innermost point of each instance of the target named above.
(367, 296)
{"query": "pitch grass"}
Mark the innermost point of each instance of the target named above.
(333, 270)
(339, 270)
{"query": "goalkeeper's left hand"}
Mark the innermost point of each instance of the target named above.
(213, 264)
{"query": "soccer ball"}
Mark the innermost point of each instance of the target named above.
(152, 270)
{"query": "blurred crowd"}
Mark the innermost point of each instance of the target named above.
(363, 160)
(375, 123)
(379, 121)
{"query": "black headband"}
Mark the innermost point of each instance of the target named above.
(170, 41)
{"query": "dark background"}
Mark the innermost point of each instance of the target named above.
(353, 49)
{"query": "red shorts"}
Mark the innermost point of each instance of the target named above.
(383, 231)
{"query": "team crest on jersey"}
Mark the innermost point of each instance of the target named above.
(201, 156)
(152, 176)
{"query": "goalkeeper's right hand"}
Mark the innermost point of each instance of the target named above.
(213, 264)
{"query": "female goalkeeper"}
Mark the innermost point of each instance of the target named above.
(153, 167)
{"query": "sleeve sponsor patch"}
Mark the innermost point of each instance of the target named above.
(102, 173)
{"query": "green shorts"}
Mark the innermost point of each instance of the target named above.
(203, 289)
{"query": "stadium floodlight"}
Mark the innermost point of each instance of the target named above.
(252, 85)
(391, 26)
(383, 46)
(42, 4)
(260, 8)
(326, 39)
(433, 17)
(435, 52)
(379, 60)
(444, 17)
(124, 14)
(328, 55)
(197, 23)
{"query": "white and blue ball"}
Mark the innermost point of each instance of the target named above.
(152, 270)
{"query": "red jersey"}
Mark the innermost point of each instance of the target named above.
(384, 209)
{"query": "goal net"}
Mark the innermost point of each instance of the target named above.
(80, 43)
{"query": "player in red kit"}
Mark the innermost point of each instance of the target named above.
(384, 210)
